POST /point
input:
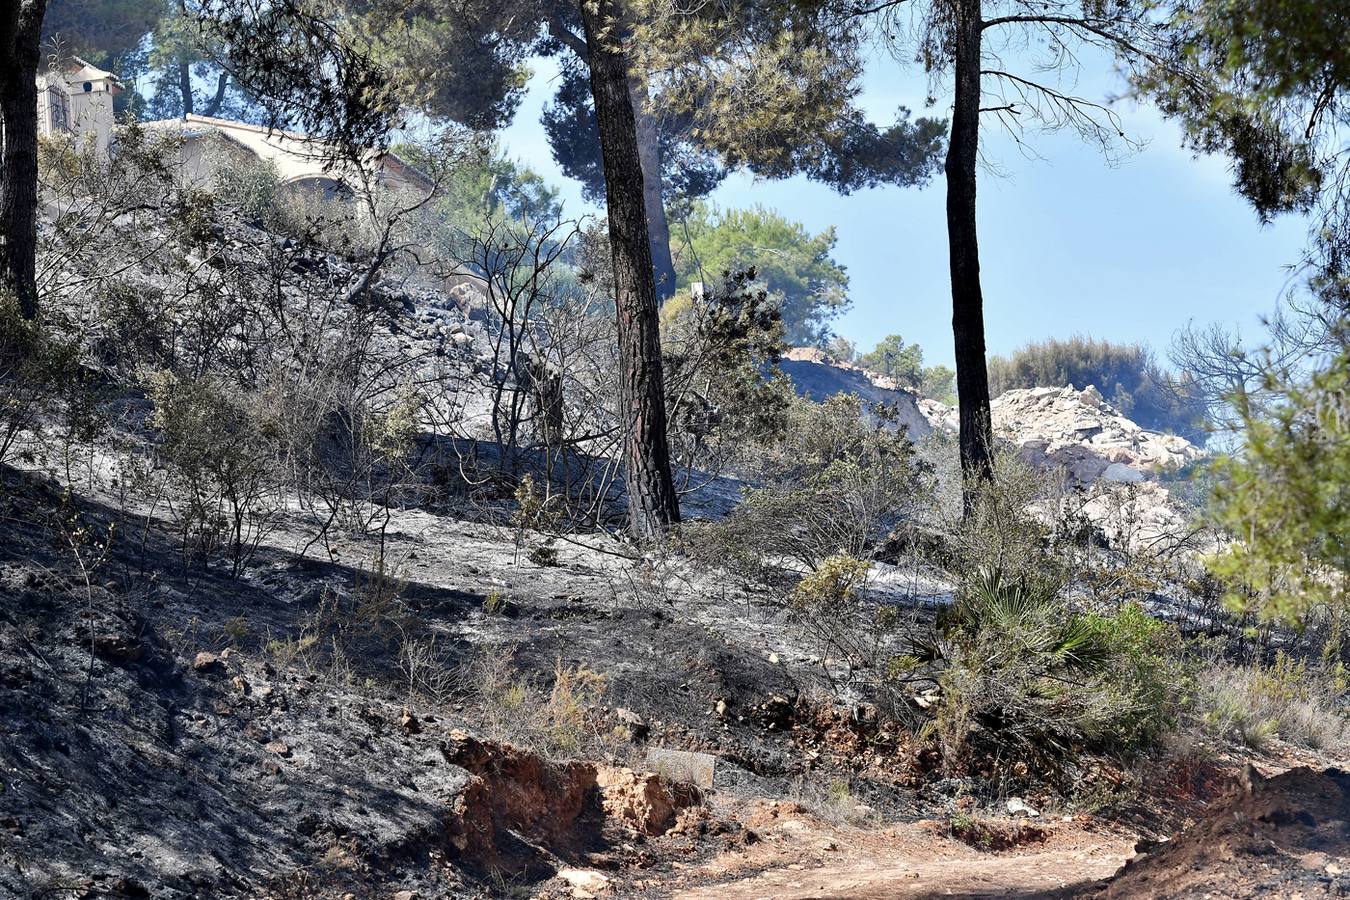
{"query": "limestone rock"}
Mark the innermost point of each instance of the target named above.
(585, 882)
(1076, 431)
(1119, 471)
(207, 663)
(683, 765)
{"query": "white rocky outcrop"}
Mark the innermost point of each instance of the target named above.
(939, 415)
(1079, 432)
(1102, 450)
(1144, 516)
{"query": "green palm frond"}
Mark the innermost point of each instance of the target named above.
(1027, 620)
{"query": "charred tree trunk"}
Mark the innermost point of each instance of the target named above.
(222, 83)
(185, 86)
(972, 376)
(20, 53)
(658, 228)
(652, 501)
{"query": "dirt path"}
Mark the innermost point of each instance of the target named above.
(799, 857)
(1050, 874)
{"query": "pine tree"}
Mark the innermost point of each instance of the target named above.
(963, 43)
(20, 56)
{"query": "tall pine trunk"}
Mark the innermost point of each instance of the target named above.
(972, 376)
(652, 501)
(658, 227)
(185, 86)
(213, 106)
(20, 53)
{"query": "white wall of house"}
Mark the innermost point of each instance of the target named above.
(78, 100)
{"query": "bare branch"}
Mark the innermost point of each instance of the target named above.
(1092, 120)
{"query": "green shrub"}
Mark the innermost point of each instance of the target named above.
(837, 581)
(1027, 679)
(832, 488)
(833, 484)
(1284, 498)
(862, 644)
(559, 719)
(1013, 527)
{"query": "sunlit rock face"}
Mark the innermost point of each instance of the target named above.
(1079, 432)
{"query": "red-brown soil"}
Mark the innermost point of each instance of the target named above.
(1285, 836)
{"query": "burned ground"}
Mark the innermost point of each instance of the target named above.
(184, 758)
(190, 755)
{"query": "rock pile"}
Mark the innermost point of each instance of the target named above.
(1144, 516)
(1079, 432)
(1098, 448)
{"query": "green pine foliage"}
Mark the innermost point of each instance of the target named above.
(1285, 498)
(1273, 99)
(893, 358)
(793, 266)
(939, 383)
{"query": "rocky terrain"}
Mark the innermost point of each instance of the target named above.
(1079, 432)
(312, 730)
(1122, 470)
(1058, 429)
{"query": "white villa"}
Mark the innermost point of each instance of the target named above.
(78, 99)
(301, 162)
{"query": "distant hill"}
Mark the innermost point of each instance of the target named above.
(818, 376)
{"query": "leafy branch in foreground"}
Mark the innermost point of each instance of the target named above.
(1285, 497)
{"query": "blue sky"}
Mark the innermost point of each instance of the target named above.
(1069, 245)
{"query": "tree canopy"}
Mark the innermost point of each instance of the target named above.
(687, 171)
(489, 184)
(792, 265)
(893, 358)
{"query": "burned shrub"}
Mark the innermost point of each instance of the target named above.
(725, 393)
(223, 463)
(832, 484)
